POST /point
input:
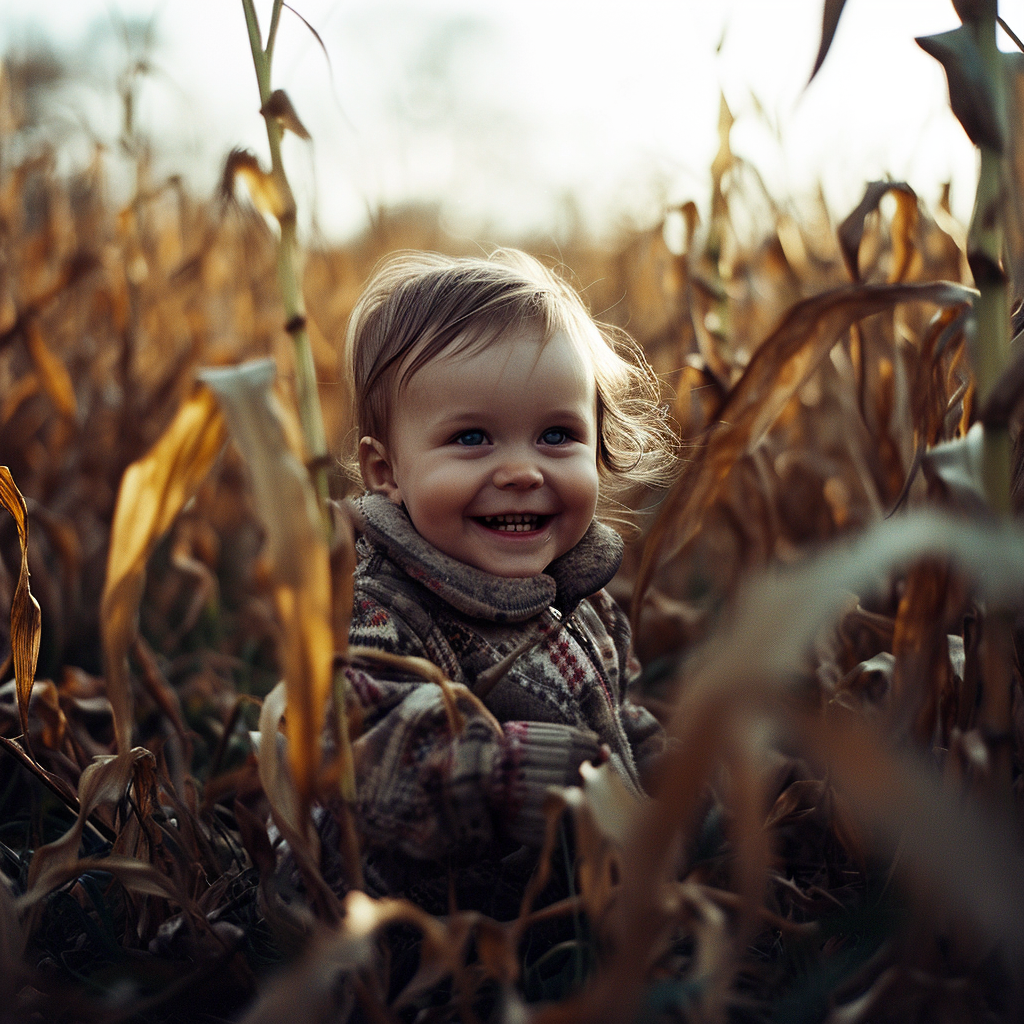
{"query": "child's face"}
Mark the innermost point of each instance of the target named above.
(494, 453)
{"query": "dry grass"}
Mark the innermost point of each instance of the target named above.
(836, 833)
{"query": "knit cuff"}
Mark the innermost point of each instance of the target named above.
(539, 755)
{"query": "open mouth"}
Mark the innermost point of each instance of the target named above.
(517, 522)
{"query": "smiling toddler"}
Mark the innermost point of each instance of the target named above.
(497, 423)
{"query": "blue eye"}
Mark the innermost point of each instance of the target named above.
(470, 438)
(555, 436)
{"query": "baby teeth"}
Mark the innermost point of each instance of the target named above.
(517, 523)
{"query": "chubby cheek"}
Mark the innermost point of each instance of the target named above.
(587, 485)
(579, 496)
(436, 495)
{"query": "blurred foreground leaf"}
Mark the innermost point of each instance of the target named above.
(742, 680)
(298, 554)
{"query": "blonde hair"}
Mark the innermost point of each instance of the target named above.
(417, 305)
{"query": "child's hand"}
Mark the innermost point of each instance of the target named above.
(601, 754)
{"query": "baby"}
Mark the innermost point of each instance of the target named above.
(497, 422)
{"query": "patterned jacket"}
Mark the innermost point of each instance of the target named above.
(550, 657)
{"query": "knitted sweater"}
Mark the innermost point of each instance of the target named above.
(549, 656)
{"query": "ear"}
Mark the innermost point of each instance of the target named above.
(375, 467)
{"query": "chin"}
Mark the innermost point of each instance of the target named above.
(507, 571)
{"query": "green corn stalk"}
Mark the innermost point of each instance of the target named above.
(977, 92)
(310, 415)
(975, 72)
(288, 257)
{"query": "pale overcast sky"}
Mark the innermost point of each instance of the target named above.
(501, 108)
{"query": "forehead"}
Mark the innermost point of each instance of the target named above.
(522, 356)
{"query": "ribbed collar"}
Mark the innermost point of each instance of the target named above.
(567, 580)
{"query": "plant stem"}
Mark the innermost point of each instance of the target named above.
(984, 253)
(289, 263)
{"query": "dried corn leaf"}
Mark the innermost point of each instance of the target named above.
(153, 492)
(105, 781)
(604, 813)
(829, 23)
(778, 369)
(778, 616)
(277, 782)
(279, 107)
(262, 186)
(26, 618)
(747, 666)
(135, 875)
(851, 231)
(298, 553)
(52, 372)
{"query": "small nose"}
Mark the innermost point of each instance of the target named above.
(519, 475)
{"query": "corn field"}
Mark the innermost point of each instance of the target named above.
(827, 603)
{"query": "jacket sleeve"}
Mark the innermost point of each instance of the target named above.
(430, 788)
(644, 732)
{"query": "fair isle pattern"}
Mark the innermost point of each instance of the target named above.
(431, 792)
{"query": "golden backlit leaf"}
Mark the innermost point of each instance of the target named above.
(152, 493)
(26, 618)
(52, 372)
(298, 555)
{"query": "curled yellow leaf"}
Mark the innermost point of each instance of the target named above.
(153, 491)
(26, 618)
